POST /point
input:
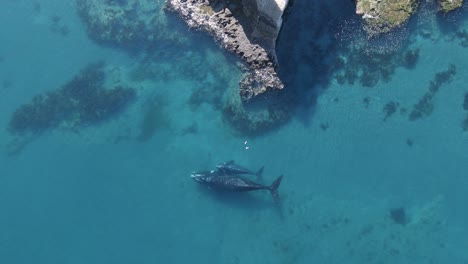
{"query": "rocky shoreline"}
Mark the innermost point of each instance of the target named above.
(232, 27)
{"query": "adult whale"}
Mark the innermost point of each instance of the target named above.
(234, 183)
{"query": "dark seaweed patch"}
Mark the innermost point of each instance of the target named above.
(81, 102)
(425, 105)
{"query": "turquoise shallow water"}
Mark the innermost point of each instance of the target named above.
(100, 195)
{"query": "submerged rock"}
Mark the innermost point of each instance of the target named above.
(449, 5)
(381, 16)
(247, 28)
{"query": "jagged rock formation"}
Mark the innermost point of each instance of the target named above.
(248, 28)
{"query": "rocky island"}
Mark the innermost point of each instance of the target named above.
(248, 28)
(450, 5)
(381, 16)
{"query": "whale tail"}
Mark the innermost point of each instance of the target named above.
(259, 174)
(274, 189)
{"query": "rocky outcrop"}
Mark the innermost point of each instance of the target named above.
(449, 5)
(381, 16)
(247, 28)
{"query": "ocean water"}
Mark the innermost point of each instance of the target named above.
(363, 181)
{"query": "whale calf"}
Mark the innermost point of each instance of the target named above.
(231, 168)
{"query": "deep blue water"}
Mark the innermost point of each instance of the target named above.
(99, 195)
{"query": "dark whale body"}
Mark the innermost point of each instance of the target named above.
(234, 183)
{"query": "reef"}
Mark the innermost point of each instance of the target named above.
(133, 25)
(81, 102)
(449, 5)
(246, 28)
(381, 16)
(424, 107)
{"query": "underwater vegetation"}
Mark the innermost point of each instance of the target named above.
(83, 101)
(424, 107)
(369, 68)
(128, 24)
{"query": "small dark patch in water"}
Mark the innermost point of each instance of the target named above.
(465, 102)
(465, 124)
(398, 215)
(403, 111)
(410, 58)
(366, 101)
(324, 126)
(462, 35)
(37, 7)
(192, 129)
(154, 118)
(409, 142)
(389, 109)
(6, 84)
(57, 26)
